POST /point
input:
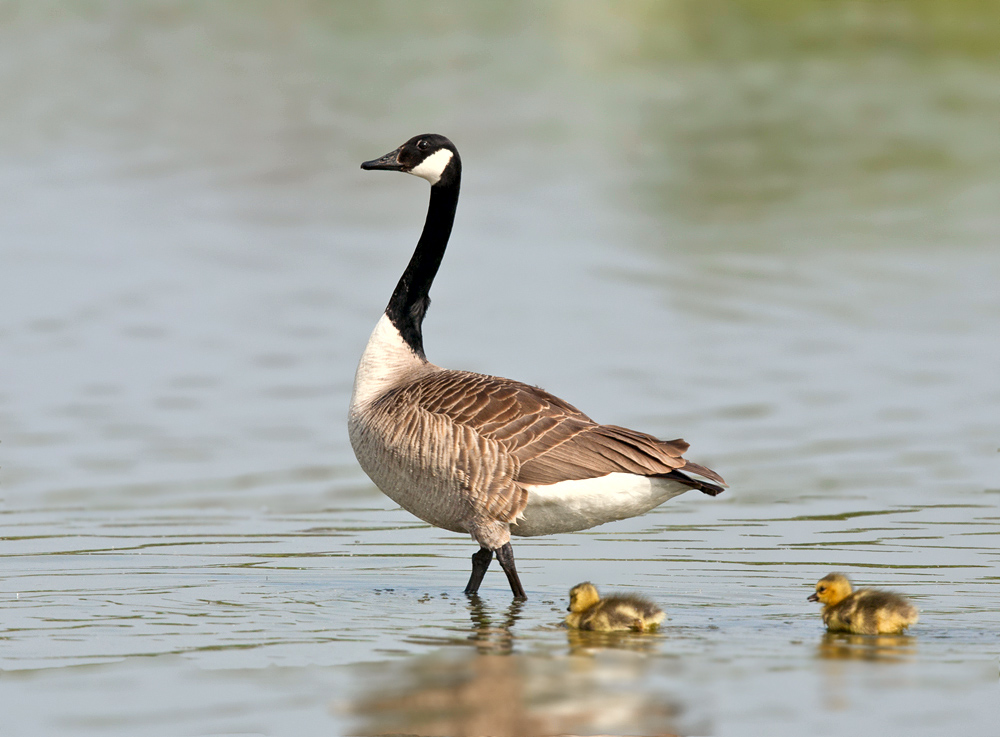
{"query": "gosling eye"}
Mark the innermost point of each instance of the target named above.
(422, 144)
(821, 589)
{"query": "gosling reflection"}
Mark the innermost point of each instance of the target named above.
(586, 642)
(493, 635)
(837, 649)
(843, 646)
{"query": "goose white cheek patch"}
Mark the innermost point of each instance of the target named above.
(433, 166)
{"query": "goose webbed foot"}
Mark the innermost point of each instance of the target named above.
(480, 562)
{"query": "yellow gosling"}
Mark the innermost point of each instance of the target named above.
(588, 611)
(862, 612)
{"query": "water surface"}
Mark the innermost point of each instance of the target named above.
(768, 228)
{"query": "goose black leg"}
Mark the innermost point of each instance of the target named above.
(480, 562)
(505, 555)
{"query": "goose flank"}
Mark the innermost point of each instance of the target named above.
(481, 454)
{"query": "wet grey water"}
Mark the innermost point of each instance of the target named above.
(773, 233)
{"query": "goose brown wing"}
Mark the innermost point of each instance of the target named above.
(413, 429)
(551, 439)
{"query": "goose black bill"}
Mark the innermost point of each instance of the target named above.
(389, 162)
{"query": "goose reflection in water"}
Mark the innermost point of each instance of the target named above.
(493, 637)
(494, 690)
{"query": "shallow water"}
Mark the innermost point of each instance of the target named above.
(772, 233)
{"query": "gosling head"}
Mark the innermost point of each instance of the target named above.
(429, 156)
(582, 597)
(831, 589)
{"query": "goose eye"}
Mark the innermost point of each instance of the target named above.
(422, 144)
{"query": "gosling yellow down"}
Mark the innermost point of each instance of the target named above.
(862, 612)
(588, 611)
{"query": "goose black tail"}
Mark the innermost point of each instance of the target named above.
(703, 486)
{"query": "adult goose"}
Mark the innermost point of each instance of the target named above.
(481, 454)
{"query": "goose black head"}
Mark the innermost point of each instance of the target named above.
(430, 156)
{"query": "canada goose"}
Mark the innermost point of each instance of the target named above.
(481, 454)
(863, 612)
(588, 611)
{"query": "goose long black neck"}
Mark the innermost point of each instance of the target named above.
(410, 299)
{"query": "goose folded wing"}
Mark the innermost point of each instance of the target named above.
(431, 445)
(551, 439)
